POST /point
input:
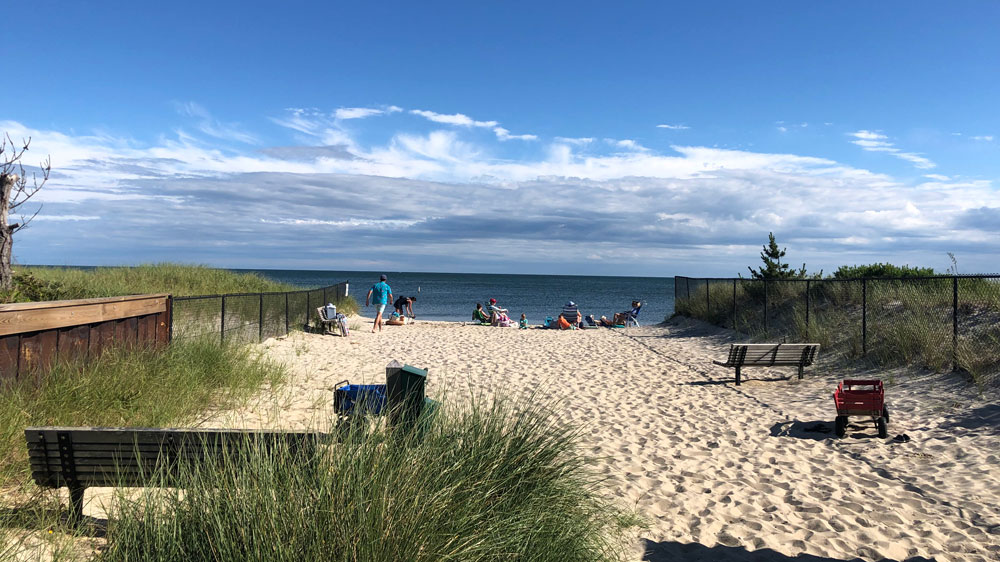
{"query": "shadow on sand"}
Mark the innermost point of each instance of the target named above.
(820, 430)
(667, 551)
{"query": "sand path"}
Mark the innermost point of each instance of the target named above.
(720, 472)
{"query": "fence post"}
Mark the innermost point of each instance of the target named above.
(687, 285)
(864, 317)
(734, 304)
(324, 296)
(708, 303)
(308, 305)
(222, 321)
(765, 305)
(170, 323)
(954, 323)
(807, 309)
(260, 319)
(286, 314)
(675, 294)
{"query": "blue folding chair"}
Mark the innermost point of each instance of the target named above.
(632, 317)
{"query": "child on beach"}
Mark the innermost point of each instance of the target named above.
(523, 324)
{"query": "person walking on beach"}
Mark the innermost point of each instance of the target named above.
(380, 295)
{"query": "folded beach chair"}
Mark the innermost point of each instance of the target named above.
(632, 318)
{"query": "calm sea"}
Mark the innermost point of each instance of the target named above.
(453, 296)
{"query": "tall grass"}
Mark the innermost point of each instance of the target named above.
(125, 387)
(177, 279)
(492, 481)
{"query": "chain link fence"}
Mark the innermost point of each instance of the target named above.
(945, 322)
(250, 317)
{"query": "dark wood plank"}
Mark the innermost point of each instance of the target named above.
(38, 352)
(74, 343)
(9, 352)
(102, 336)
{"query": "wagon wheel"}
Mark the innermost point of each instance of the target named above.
(840, 426)
(881, 425)
(885, 413)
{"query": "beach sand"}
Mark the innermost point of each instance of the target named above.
(720, 472)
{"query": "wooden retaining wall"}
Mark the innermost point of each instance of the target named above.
(33, 335)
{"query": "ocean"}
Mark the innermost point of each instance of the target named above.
(453, 296)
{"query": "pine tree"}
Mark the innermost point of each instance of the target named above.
(773, 268)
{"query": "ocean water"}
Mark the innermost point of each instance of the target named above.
(453, 296)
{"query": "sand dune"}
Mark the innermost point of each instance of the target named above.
(720, 472)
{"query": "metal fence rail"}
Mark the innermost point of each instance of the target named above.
(937, 322)
(250, 317)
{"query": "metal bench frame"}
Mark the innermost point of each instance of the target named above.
(741, 355)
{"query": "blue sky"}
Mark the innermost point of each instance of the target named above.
(636, 138)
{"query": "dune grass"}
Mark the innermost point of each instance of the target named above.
(123, 387)
(908, 322)
(176, 279)
(490, 481)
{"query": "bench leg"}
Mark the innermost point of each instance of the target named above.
(737, 376)
(800, 372)
(76, 504)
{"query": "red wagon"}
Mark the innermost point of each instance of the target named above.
(861, 398)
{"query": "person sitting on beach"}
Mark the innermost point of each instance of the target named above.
(405, 305)
(498, 315)
(571, 314)
(605, 322)
(621, 317)
(523, 324)
(479, 314)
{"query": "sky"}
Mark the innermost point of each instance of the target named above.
(651, 139)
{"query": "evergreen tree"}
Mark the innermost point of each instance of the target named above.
(773, 268)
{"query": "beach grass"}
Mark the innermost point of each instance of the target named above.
(885, 322)
(129, 387)
(176, 279)
(490, 481)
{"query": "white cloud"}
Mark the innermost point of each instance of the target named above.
(872, 141)
(504, 134)
(987, 138)
(673, 127)
(356, 112)
(453, 119)
(626, 199)
(213, 127)
(579, 141)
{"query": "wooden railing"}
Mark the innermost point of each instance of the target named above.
(33, 335)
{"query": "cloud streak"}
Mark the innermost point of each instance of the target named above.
(872, 141)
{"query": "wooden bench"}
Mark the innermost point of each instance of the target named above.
(81, 457)
(799, 355)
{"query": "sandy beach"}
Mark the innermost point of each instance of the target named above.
(719, 472)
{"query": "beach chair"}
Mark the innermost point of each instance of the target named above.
(632, 318)
(331, 325)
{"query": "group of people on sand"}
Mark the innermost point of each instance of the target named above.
(380, 295)
(570, 318)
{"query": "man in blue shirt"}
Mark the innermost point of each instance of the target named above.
(380, 295)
